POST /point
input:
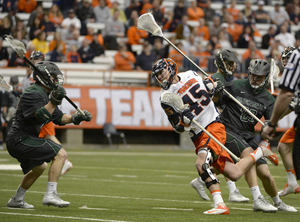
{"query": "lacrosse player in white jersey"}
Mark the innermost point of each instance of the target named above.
(196, 94)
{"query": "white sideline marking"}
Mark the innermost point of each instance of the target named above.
(175, 176)
(165, 208)
(191, 154)
(3, 160)
(237, 208)
(15, 208)
(130, 176)
(54, 216)
(90, 208)
(10, 167)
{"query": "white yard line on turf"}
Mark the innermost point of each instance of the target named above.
(237, 208)
(90, 208)
(61, 217)
(191, 154)
(165, 208)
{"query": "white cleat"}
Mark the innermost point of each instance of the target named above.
(52, 199)
(261, 204)
(237, 197)
(284, 207)
(288, 190)
(221, 208)
(19, 204)
(199, 185)
(267, 152)
(66, 167)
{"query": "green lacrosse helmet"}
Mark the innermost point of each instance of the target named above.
(226, 61)
(261, 69)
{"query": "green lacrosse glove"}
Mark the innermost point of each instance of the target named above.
(219, 88)
(78, 117)
(56, 96)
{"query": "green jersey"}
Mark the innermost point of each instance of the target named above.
(235, 117)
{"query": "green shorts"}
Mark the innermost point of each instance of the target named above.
(32, 151)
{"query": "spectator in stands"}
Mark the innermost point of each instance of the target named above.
(187, 65)
(57, 41)
(233, 10)
(295, 16)
(246, 64)
(136, 36)
(49, 27)
(209, 12)
(57, 55)
(16, 61)
(157, 13)
(124, 59)
(38, 12)
(170, 23)
(73, 56)
(102, 12)
(116, 6)
(224, 28)
(252, 47)
(114, 28)
(55, 15)
(65, 6)
(145, 6)
(71, 20)
(146, 58)
(223, 40)
(90, 36)
(85, 13)
(233, 29)
(176, 56)
(159, 50)
(96, 3)
(268, 38)
(35, 28)
(5, 27)
(261, 16)
(279, 16)
(130, 21)
(276, 49)
(96, 46)
(132, 7)
(247, 11)
(203, 30)
(191, 41)
(40, 42)
(3, 54)
(13, 18)
(7, 5)
(223, 13)
(179, 10)
(194, 12)
(204, 55)
(245, 37)
(18, 35)
(75, 39)
(286, 38)
(26, 6)
(86, 52)
(183, 30)
(215, 26)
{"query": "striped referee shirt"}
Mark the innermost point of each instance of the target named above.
(291, 74)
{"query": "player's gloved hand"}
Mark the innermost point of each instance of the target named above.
(267, 123)
(210, 84)
(17, 93)
(219, 88)
(78, 117)
(56, 96)
(292, 104)
(186, 117)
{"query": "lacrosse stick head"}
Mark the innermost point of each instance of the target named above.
(17, 45)
(173, 100)
(147, 23)
(274, 70)
(286, 54)
(48, 74)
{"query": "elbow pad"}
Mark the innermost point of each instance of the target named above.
(43, 115)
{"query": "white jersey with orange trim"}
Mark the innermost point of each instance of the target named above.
(193, 92)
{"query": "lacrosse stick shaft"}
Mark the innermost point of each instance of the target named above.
(66, 97)
(217, 141)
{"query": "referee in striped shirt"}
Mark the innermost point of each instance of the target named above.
(290, 86)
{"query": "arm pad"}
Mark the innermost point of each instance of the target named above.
(43, 115)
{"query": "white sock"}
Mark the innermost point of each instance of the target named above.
(255, 192)
(231, 186)
(52, 186)
(276, 199)
(292, 181)
(217, 197)
(20, 194)
(257, 154)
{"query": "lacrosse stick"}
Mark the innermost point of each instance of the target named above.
(273, 74)
(19, 47)
(176, 102)
(147, 23)
(5, 84)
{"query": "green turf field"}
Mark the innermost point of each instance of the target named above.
(132, 185)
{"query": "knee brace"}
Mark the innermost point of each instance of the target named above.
(206, 168)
